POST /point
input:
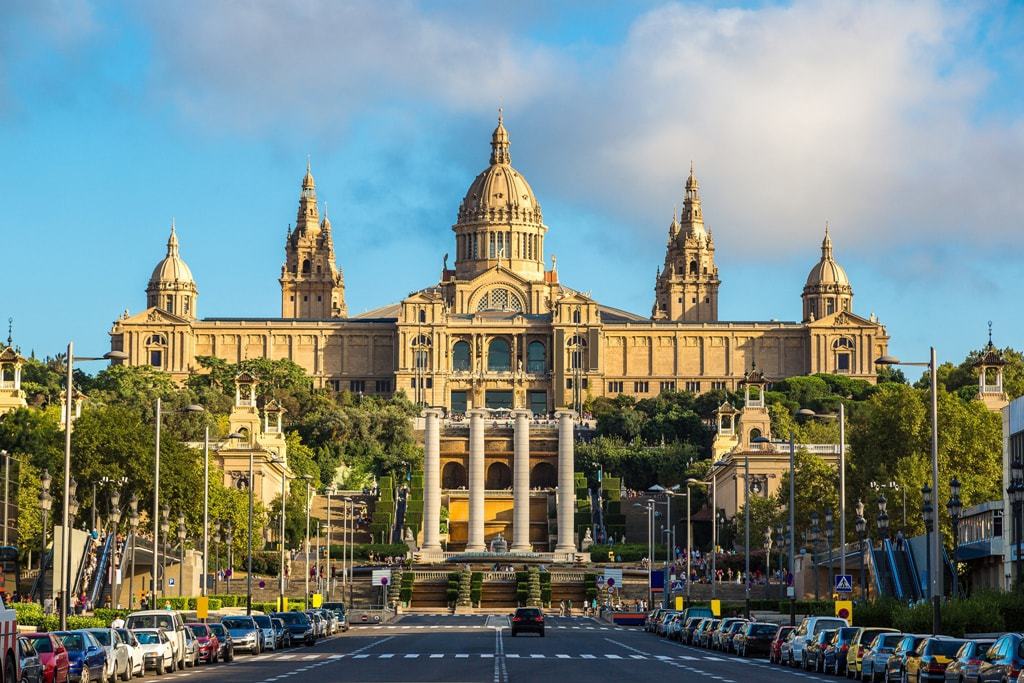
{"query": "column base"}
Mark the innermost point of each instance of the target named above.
(476, 548)
(430, 554)
(565, 554)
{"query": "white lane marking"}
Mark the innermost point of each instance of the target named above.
(563, 656)
(308, 657)
(612, 657)
(537, 656)
(436, 656)
(387, 655)
(461, 656)
(412, 655)
(360, 656)
(587, 657)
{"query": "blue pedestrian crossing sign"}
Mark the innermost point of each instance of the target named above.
(844, 583)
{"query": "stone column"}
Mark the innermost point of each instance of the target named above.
(566, 489)
(521, 483)
(432, 481)
(475, 542)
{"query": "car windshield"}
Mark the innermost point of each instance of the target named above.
(532, 612)
(199, 630)
(43, 644)
(73, 641)
(292, 618)
(238, 622)
(102, 636)
(826, 624)
(218, 629)
(264, 621)
(147, 637)
(943, 648)
(763, 630)
(846, 634)
(164, 621)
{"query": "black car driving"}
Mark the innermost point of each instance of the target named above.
(528, 620)
(298, 625)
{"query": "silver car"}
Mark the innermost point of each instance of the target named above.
(872, 664)
(267, 629)
(119, 664)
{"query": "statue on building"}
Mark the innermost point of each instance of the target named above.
(587, 541)
(499, 544)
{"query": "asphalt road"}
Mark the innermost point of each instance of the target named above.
(480, 649)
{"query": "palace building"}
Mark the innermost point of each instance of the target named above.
(499, 330)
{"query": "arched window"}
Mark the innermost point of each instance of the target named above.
(460, 357)
(305, 266)
(536, 357)
(423, 316)
(843, 349)
(500, 299)
(421, 346)
(318, 270)
(577, 352)
(499, 356)
(693, 267)
(576, 316)
(755, 433)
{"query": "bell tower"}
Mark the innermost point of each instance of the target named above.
(312, 286)
(687, 288)
(990, 376)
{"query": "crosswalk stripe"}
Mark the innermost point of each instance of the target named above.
(563, 656)
(308, 657)
(385, 656)
(587, 657)
(461, 656)
(612, 657)
(412, 655)
(536, 656)
(436, 656)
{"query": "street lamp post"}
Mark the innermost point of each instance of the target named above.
(346, 546)
(133, 523)
(181, 554)
(861, 525)
(814, 537)
(1016, 494)
(934, 558)
(284, 494)
(779, 540)
(928, 513)
(842, 484)
(328, 493)
(114, 517)
(714, 538)
(309, 501)
(165, 528)
(229, 537)
(649, 506)
(955, 507)
(72, 508)
(45, 504)
(768, 562)
(216, 559)
(830, 532)
(746, 535)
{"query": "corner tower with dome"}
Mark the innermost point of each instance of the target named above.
(499, 329)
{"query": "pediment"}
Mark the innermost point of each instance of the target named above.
(843, 319)
(154, 316)
(496, 276)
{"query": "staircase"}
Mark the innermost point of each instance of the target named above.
(99, 578)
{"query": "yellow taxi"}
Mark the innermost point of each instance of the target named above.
(931, 658)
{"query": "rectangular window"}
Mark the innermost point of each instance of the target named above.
(188, 304)
(357, 386)
(334, 384)
(156, 359)
(319, 298)
(693, 387)
(538, 402)
(459, 402)
(498, 399)
(430, 383)
(476, 244)
(830, 307)
(382, 386)
(170, 303)
(717, 385)
(640, 387)
(997, 523)
(490, 242)
(614, 387)
(667, 386)
(569, 383)
(843, 362)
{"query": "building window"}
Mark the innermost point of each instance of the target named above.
(536, 357)
(382, 386)
(842, 362)
(830, 306)
(693, 300)
(476, 251)
(156, 358)
(187, 307)
(427, 383)
(693, 387)
(319, 298)
(423, 316)
(569, 383)
(459, 402)
(640, 387)
(538, 402)
(334, 384)
(717, 385)
(500, 300)
(667, 386)
(707, 299)
(576, 316)
(460, 356)
(305, 298)
(498, 399)
(490, 242)
(357, 386)
(842, 348)
(997, 523)
(615, 387)
(170, 303)
(499, 356)
(305, 266)
(291, 298)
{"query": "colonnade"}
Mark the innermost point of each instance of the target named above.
(476, 542)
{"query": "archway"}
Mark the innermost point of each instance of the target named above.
(453, 476)
(543, 476)
(499, 477)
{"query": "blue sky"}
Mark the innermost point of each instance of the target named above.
(900, 123)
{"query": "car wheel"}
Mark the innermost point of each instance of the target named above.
(128, 668)
(85, 675)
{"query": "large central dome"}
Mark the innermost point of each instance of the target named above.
(500, 222)
(500, 193)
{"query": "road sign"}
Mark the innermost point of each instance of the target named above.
(844, 583)
(170, 582)
(202, 608)
(844, 610)
(381, 577)
(716, 608)
(612, 578)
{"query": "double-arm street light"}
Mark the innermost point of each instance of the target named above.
(861, 525)
(713, 485)
(66, 517)
(45, 504)
(934, 556)
(954, 507)
(842, 483)
(309, 502)
(649, 506)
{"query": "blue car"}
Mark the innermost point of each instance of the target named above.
(245, 633)
(86, 656)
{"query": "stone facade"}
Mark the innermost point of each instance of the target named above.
(499, 329)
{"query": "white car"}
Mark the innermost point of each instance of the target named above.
(118, 662)
(157, 653)
(809, 628)
(169, 621)
(267, 629)
(135, 654)
(191, 648)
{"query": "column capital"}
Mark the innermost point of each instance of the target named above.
(433, 412)
(522, 412)
(565, 412)
(477, 412)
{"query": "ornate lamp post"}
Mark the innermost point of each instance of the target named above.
(861, 525)
(1016, 493)
(883, 519)
(779, 540)
(955, 506)
(830, 532)
(928, 513)
(182, 532)
(133, 522)
(229, 536)
(114, 517)
(813, 537)
(45, 505)
(216, 538)
(165, 527)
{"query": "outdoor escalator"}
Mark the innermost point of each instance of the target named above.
(98, 582)
(885, 581)
(907, 579)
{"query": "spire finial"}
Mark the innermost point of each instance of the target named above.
(826, 245)
(309, 163)
(172, 241)
(989, 334)
(499, 142)
(10, 331)
(500, 114)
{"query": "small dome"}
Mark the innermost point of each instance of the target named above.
(500, 192)
(826, 271)
(172, 269)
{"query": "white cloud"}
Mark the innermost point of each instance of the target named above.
(862, 113)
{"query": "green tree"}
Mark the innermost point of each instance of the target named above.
(815, 487)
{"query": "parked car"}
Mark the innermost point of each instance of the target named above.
(171, 622)
(281, 633)
(662, 627)
(709, 628)
(191, 648)
(686, 636)
(931, 658)
(528, 619)
(330, 619)
(29, 662)
(807, 630)
(964, 667)
(814, 653)
(675, 627)
(876, 657)
(53, 656)
(718, 636)
(225, 644)
(1003, 659)
(755, 639)
(267, 630)
(859, 647)
(896, 665)
(119, 664)
(317, 622)
(206, 640)
(157, 651)
(781, 636)
(651, 620)
(245, 633)
(338, 608)
(86, 659)
(837, 650)
(134, 651)
(298, 625)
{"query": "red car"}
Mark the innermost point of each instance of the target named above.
(52, 655)
(206, 640)
(775, 649)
